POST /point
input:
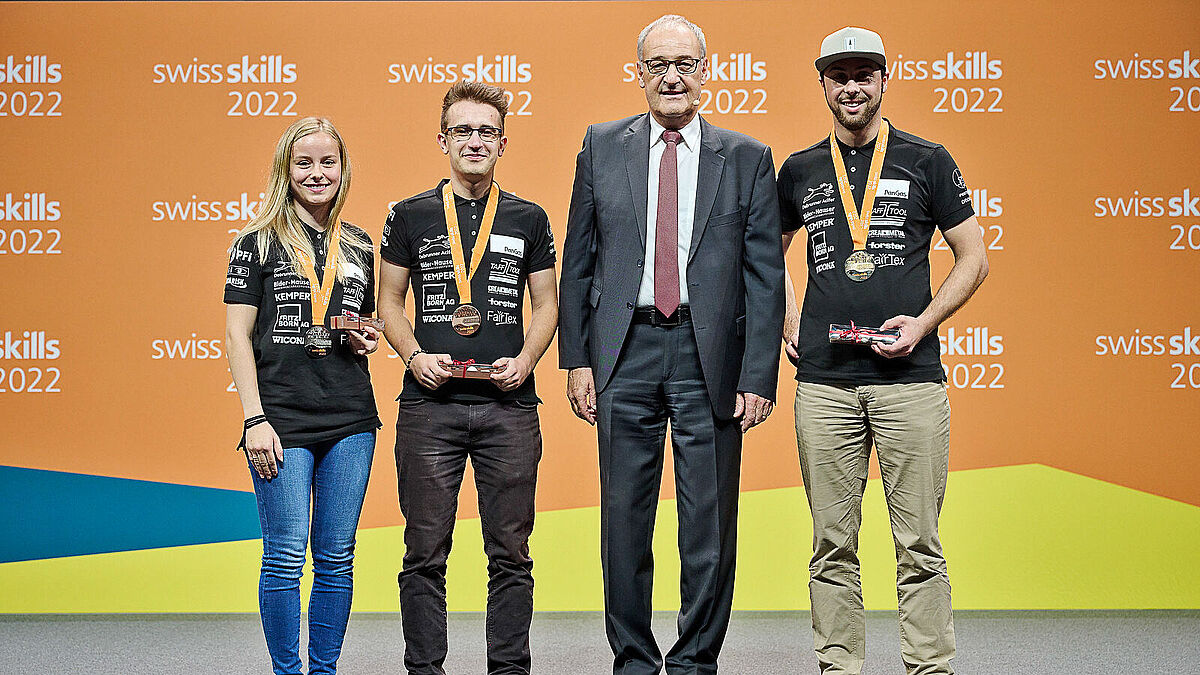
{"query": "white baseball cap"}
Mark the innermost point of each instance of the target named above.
(850, 42)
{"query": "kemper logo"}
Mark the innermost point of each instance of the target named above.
(266, 69)
(972, 65)
(197, 209)
(29, 207)
(974, 341)
(499, 69)
(1138, 205)
(30, 345)
(1138, 67)
(30, 70)
(731, 67)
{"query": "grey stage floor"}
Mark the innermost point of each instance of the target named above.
(1006, 643)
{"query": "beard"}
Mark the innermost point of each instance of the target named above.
(859, 120)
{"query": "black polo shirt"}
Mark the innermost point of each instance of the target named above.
(306, 400)
(521, 243)
(920, 189)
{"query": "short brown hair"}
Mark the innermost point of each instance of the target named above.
(478, 92)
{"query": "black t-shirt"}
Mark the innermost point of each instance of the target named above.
(920, 189)
(305, 400)
(521, 243)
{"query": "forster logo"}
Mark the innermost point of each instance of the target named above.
(1138, 67)
(197, 209)
(30, 70)
(972, 65)
(176, 349)
(29, 207)
(974, 341)
(30, 345)
(250, 70)
(500, 69)
(1184, 205)
(731, 67)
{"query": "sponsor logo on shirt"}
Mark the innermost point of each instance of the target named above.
(822, 190)
(894, 187)
(505, 272)
(499, 318)
(287, 319)
(820, 249)
(433, 297)
(432, 247)
(507, 245)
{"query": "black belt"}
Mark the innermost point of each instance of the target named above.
(652, 316)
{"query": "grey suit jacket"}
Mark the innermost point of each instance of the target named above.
(734, 270)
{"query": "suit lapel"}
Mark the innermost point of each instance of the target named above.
(637, 164)
(707, 183)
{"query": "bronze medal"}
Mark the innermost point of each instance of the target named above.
(466, 320)
(318, 342)
(860, 266)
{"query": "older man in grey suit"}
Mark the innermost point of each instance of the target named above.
(671, 310)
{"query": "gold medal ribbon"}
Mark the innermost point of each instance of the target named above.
(462, 275)
(860, 222)
(322, 291)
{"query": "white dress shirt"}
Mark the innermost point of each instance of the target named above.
(687, 158)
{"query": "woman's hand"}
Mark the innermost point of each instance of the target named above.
(364, 341)
(264, 450)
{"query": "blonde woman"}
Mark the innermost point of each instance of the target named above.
(310, 417)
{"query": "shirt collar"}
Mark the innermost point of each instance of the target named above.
(691, 132)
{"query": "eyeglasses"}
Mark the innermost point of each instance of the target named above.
(463, 132)
(685, 66)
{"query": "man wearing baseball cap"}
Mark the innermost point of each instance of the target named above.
(870, 198)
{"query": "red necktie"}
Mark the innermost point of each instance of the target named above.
(666, 229)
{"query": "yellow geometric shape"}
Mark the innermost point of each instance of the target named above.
(1018, 537)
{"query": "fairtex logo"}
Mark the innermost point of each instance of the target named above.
(30, 70)
(1185, 205)
(731, 67)
(972, 65)
(265, 69)
(203, 210)
(500, 69)
(1137, 67)
(30, 345)
(974, 341)
(30, 207)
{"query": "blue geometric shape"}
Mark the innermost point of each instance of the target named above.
(51, 514)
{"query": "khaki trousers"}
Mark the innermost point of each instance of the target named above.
(909, 425)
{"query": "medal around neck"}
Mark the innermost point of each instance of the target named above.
(467, 320)
(860, 265)
(318, 342)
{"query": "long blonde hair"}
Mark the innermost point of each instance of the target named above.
(277, 220)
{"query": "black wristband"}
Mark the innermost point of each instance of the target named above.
(412, 356)
(255, 421)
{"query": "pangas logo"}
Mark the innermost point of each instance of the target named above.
(196, 209)
(30, 345)
(30, 70)
(732, 67)
(974, 341)
(1140, 343)
(1138, 205)
(185, 348)
(972, 65)
(29, 207)
(1138, 67)
(500, 69)
(270, 69)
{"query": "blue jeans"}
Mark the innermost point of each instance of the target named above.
(334, 475)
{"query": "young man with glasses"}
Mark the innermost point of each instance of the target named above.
(870, 198)
(468, 250)
(672, 306)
